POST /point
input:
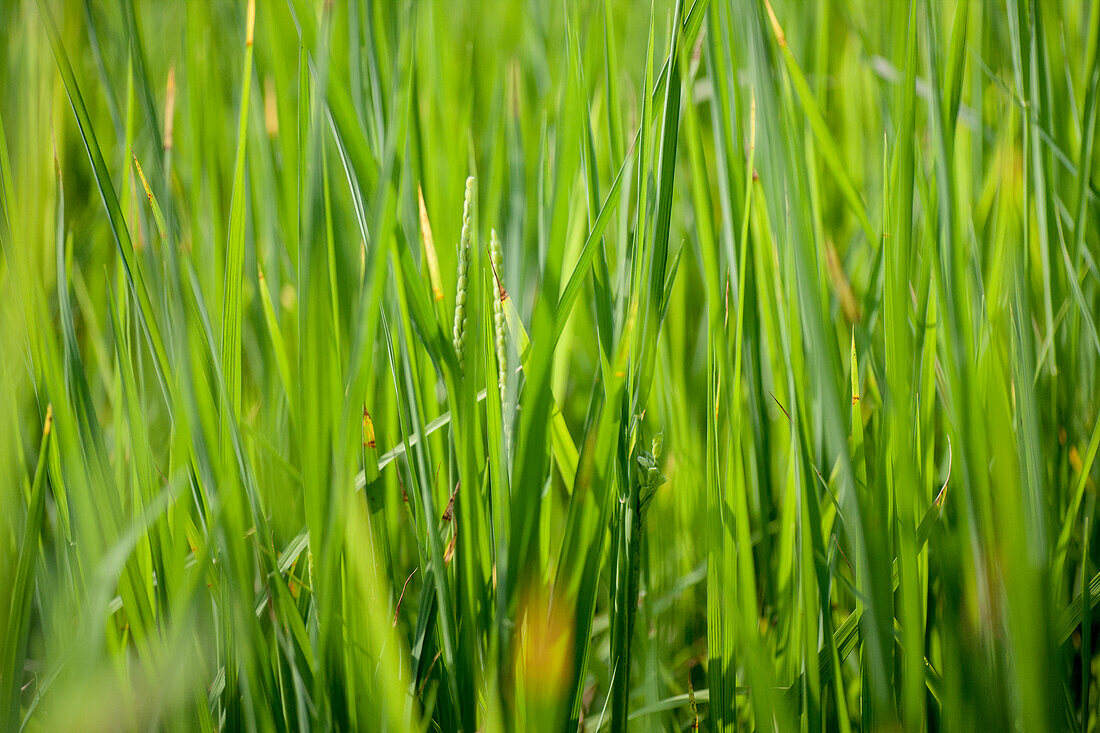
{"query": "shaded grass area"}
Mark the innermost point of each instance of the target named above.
(534, 366)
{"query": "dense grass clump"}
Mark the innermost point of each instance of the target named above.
(476, 366)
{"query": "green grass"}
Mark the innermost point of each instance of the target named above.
(774, 405)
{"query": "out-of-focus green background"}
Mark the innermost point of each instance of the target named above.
(800, 404)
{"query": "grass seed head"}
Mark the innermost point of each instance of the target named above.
(463, 274)
(496, 256)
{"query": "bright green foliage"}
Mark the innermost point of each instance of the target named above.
(782, 411)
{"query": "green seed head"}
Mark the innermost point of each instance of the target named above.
(496, 255)
(463, 275)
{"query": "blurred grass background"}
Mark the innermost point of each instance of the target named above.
(779, 408)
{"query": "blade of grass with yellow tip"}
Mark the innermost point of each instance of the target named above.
(134, 274)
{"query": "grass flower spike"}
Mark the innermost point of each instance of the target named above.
(496, 257)
(463, 275)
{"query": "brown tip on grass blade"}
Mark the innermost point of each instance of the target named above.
(368, 429)
(429, 247)
(448, 513)
(158, 217)
(397, 610)
(141, 175)
(781, 407)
